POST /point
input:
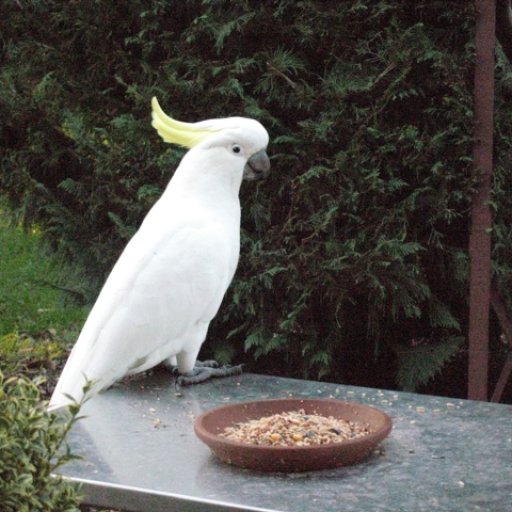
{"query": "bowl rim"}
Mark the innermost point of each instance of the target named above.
(381, 433)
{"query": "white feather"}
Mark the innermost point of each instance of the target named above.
(169, 281)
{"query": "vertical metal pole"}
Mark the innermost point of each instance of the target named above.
(481, 218)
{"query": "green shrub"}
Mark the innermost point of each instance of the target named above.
(356, 246)
(32, 447)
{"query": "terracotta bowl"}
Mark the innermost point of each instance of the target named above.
(210, 424)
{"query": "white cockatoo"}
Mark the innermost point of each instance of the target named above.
(169, 281)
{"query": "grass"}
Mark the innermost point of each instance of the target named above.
(31, 300)
(38, 319)
(39, 316)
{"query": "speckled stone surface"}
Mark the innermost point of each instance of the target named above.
(140, 453)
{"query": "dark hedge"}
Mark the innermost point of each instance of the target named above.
(354, 261)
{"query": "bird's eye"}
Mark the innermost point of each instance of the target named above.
(236, 148)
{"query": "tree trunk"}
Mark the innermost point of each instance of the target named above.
(481, 219)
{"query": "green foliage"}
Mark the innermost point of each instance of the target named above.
(19, 352)
(37, 292)
(357, 242)
(420, 362)
(32, 447)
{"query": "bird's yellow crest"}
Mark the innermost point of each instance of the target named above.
(177, 132)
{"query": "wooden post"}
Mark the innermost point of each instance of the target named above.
(481, 219)
(506, 326)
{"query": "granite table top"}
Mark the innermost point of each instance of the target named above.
(140, 453)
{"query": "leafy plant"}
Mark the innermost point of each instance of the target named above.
(419, 362)
(357, 243)
(32, 448)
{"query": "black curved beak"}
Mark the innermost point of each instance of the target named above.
(257, 167)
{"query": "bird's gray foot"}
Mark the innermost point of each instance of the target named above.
(201, 373)
(209, 363)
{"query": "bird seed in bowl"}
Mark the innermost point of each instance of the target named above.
(294, 428)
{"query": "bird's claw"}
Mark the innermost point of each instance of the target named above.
(209, 363)
(202, 373)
